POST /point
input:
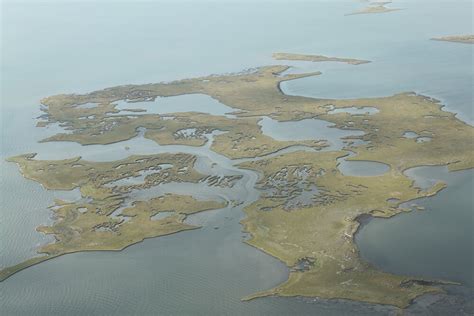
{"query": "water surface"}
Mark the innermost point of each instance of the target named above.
(435, 242)
(362, 168)
(307, 129)
(183, 103)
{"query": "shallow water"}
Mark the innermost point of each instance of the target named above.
(182, 103)
(362, 168)
(307, 129)
(140, 179)
(208, 271)
(161, 215)
(410, 135)
(355, 110)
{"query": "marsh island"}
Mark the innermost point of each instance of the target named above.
(466, 39)
(317, 58)
(307, 210)
(374, 8)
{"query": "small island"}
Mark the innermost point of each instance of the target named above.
(466, 39)
(375, 7)
(317, 58)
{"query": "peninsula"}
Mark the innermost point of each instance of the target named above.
(317, 58)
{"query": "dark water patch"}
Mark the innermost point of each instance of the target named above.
(304, 264)
(435, 243)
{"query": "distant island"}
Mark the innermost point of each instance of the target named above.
(467, 39)
(317, 58)
(375, 7)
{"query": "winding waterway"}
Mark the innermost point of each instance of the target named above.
(207, 271)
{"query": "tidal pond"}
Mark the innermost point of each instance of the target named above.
(174, 104)
(358, 168)
(307, 129)
(362, 168)
(366, 110)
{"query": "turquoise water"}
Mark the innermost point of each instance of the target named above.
(58, 47)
